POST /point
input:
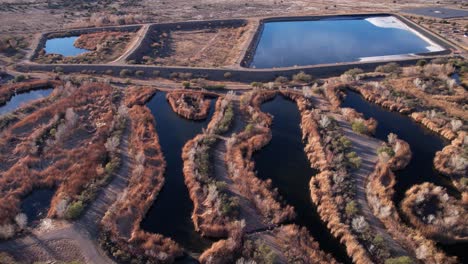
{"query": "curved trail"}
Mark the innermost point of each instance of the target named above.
(84, 232)
(366, 148)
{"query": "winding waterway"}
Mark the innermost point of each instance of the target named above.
(424, 144)
(170, 215)
(284, 161)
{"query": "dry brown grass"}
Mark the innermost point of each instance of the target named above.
(189, 105)
(213, 47)
(452, 161)
(62, 145)
(121, 223)
(436, 214)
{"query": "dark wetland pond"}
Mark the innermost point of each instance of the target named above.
(284, 162)
(19, 99)
(335, 40)
(170, 215)
(424, 144)
(63, 46)
(36, 204)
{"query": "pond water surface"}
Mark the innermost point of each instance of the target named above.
(63, 46)
(424, 144)
(18, 100)
(170, 214)
(284, 161)
(335, 40)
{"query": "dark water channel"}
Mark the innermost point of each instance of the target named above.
(284, 162)
(36, 204)
(424, 144)
(19, 99)
(170, 215)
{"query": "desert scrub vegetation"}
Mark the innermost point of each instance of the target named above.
(395, 155)
(121, 234)
(215, 208)
(333, 189)
(442, 112)
(13, 45)
(358, 123)
(102, 47)
(283, 244)
(436, 214)
(239, 150)
(452, 161)
(190, 105)
(51, 147)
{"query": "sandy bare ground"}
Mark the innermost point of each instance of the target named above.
(133, 45)
(28, 16)
(64, 241)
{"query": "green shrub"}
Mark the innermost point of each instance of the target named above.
(302, 77)
(156, 73)
(345, 142)
(421, 63)
(125, 73)
(399, 260)
(227, 75)
(256, 84)
(351, 208)
(214, 86)
(359, 127)
(387, 150)
(58, 69)
(391, 67)
(139, 73)
(74, 210)
(186, 84)
(282, 80)
(354, 160)
(19, 78)
(354, 72)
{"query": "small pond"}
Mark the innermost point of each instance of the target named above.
(18, 100)
(424, 144)
(36, 205)
(63, 46)
(170, 214)
(284, 161)
(336, 40)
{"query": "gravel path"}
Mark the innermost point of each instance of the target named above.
(366, 148)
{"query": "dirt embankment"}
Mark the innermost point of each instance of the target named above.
(122, 235)
(189, 105)
(452, 161)
(436, 214)
(52, 147)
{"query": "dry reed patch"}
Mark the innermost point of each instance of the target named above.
(189, 105)
(122, 235)
(34, 149)
(436, 214)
